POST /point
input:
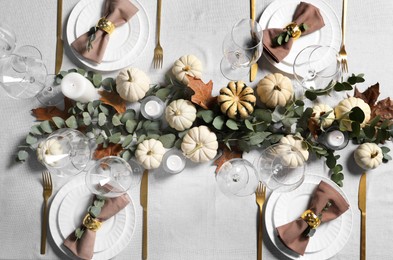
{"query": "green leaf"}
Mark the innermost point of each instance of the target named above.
(127, 140)
(163, 93)
(280, 38)
(115, 138)
(243, 146)
(58, 121)
(357, 115)
(81, 71)
(94, 211)
(232, 124)
(299, 103)
(310, 95)
(22, 155)
(167, 140)
(385, 149)
(97, 78)
(129, 114)
(101, 119)
(80, 106)
(108, 84)
(90, 108)
(278, 114)
(286, 38)
(331, 161)
(355, 128)
(131, 125)
(219, 122)
(30, 139)
(206, 115)
(258, 137)
(116, 121)
(99, 203)
(46, 127)
(369, 132)
(86, 118)
(71, 122)
(151, 125)
(338, 168)
(104, 109)
(249, 125)
(373, 122)
(100, 139)
(337, 177)
(347, 86)
(79, 233)
(126, 155)
(263, 115)
(35, 129)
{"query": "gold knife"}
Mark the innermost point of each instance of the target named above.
(254, 67)
(362, 207)
(59, 41)
(143, 201)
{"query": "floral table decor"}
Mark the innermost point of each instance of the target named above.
(241, 126)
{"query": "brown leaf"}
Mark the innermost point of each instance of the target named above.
(226, 156)
(203, 92)
(313, 127)
(46, 113)
(111, 149)
(384, 109)
(114, 100)
(370, 95)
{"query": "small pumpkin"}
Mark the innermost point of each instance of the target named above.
(200, 144)
(187, 65)
(295, 159)
(368, 156)
(132, 84)
(47, 151)
(237, 100)
(180, 114)
(322, 110)
(343, 109)
(275, 90)
(149, 153)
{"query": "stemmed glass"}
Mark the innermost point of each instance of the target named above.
(7, 40)
(65, 152)
(237, 177)
(242, 47)
(281, 167)
(317, 68)
(112, 176)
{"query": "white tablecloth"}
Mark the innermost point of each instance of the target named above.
(189, 217)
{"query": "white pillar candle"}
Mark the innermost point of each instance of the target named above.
(335, 138)
(174, 161)
(152, 107)
(77, 87)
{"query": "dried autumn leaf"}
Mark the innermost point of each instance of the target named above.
(384, 109)
(46, 113)
(203, 92)
(313, 126)
(226, 156)
(370, 95)
(111, 149)
(114, 100)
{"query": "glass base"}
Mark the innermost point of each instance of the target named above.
(51, 95)
(231, 73)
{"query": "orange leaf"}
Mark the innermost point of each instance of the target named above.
(46, 113)
(384, 109)
(370, 95)
(203, 92)
(111, 149)
(114, 100)
(226, 156)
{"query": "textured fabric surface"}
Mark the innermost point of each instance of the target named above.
(189, 217)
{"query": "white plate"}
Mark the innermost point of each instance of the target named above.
(65, 202)
(282, 208)
(279, 13)
(126, 43)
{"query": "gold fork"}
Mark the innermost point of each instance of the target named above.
(158, 52)
(343, 52)
(260, 195)
(48, 186)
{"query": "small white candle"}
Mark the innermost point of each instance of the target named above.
(77, 87)
(335, 138)
(153, 108)
(174, 163)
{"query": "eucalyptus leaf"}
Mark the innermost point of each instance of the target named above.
(97, 78)
(100, 139)
(249, 125)
(99, 203)
(355, 128)
(258, 137)
(219, 122)
(90, 108)
(58, 121)
(86, 118)
(331, 161)
(104, 109)
(94, 211)
(243, 146)
(81, 71)
(263, 115)
(127, 140)
(151, 125)
(206, 115)
(129, 114)
(22, 155)
(46, 126)
(357, 115)
(167, 140)
(36, 130)
(115, 138)
(71, 122)
(232, 124)
(80, 105)
(116, 121)
(126, 155)
(141, 138)
(178, 143)
(131, 125)
(79, 233)
(108, 84)
(101, 119)
(163, 93)
(30, 139)
(385, 149)
(310, 95)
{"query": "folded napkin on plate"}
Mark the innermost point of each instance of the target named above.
(116, 11)
(304, 14)
(84, 247)
(293, 234)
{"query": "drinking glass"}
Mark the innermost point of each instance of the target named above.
(51, 94)
(242, 47)
(317, 68)
(281, 167)
(237, 177)
(7, 40)
(65, 152)
(111, 177)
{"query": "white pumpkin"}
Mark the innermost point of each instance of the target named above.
(187, 65)
(322, 109)
(200, 144)
(49, 152)
(344, 107)
(295, 159)
(132, 84)
(275, 90)
(149, 153)
(180, 114)
(368, 156)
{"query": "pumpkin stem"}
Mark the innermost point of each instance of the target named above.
(178, 112)
(197, 147)
(373, 155)
(150, 152)
(186, 68)
(129, 76)
(276, 87)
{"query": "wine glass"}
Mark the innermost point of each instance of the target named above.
(111, 177)
(237, 177)
(281, 167)
(317, 68)
(7, 40)
(242, 47)
(51, 94)
(65, 152)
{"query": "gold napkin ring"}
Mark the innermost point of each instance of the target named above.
(294, 30)
(312, 220)
(106, 25)
(91, 223)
